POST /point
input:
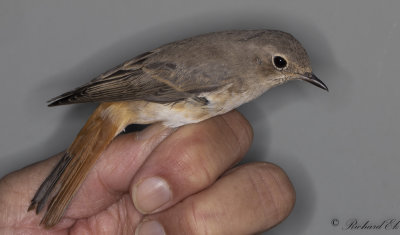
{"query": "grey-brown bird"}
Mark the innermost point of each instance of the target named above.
(179, 83)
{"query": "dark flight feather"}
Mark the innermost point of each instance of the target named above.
(150, 77)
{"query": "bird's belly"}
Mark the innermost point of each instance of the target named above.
(191, 112)
(180, 113)
(172, 115)
(183, 113)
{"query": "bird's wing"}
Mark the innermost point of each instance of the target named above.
(140, 79)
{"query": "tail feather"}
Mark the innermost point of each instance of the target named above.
(45, 189)
(70, 172)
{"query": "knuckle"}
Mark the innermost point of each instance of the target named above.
(273, 189)
(241, 129)
(247, 130)
(192, 166)
(194, 219)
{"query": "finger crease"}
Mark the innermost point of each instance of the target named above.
(235, 136)
(276, 206)
(108, 189)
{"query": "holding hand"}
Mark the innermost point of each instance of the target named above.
(163, 181)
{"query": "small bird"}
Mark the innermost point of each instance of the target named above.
(182, 82)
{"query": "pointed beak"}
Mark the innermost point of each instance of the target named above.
(311, 78)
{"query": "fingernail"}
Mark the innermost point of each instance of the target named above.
(151, 194)
(150, 228)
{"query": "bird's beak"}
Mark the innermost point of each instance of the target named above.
(311, 78)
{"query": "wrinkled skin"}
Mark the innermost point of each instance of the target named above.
(210, 195)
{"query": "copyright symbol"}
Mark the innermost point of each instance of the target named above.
(335, 222)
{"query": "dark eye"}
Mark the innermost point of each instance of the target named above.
(279, 62)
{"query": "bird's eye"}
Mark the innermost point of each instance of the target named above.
(279, 62)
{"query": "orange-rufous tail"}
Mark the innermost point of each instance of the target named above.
(72, 169)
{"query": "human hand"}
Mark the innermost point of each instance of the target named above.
(162, 181)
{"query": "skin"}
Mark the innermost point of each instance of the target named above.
(210, 193)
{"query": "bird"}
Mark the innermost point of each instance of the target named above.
(179, 83)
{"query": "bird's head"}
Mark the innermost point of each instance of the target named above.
(282, 58)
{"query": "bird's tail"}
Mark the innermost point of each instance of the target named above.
(72, 169)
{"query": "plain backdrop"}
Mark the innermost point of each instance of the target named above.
(340, 149)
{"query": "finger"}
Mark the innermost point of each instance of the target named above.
(111, 175)
(249, 199)
(17, 189)
(190, 160)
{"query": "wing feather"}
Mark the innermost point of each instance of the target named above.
(129, 81)
(168, 74)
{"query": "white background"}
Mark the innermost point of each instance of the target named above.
(340, 149)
